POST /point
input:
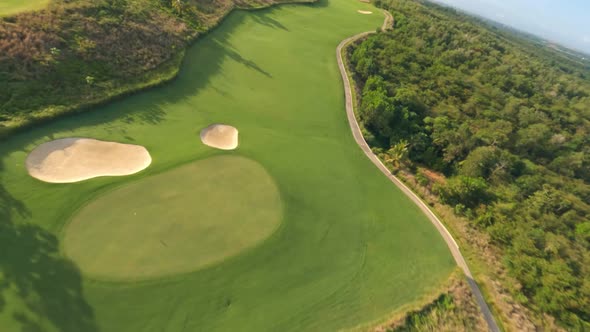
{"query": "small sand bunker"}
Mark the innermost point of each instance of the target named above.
(220, 136)
(366, 12)
(70, 160)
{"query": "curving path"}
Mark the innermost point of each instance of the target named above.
(360, 140)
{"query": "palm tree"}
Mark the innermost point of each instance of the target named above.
(397, 154)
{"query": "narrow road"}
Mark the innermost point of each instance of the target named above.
(360, 140)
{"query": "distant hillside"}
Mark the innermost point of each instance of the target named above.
(541, 47)
(511, 32)
(76, 53)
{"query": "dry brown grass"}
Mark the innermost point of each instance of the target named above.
(34, 43)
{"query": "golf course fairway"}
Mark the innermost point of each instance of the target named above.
(329, 243)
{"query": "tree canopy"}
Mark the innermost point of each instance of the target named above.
(508, 122)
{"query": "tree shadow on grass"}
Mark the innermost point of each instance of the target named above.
(38, 287)
(233, 54)
(264, 19)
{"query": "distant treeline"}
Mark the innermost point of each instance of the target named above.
(508, 123)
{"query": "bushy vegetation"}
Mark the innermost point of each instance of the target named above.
(508, 123)
(77, 53)
(454, 310)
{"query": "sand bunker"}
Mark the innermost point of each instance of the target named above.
(366, 12)
(220, 136)
(77, 159)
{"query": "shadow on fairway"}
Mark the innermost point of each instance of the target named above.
(268, 21)
(230, 51)
(46, 287)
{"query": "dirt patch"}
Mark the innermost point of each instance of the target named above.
(220, 136)
(433, 176)
(70, 160)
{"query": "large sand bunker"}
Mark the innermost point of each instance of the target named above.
(366, 12)
(70, 160)
(220, 136)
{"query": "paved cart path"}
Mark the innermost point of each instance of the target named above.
(360, 140)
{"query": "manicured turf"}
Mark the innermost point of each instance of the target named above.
(10, 7)
(351, 247)
(175, 222)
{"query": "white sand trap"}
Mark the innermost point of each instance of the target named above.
(220, 136)
(70, 160)
(366, 12)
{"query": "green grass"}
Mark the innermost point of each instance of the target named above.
(11, 7)
(212, 209)
(351, 247)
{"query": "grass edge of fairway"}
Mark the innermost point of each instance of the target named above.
(33, 6)
(416, 305)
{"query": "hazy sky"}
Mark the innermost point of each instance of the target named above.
(564, 21)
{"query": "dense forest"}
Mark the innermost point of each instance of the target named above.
(507, 123)
(77, 53)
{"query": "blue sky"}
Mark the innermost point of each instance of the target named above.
(564, 21)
